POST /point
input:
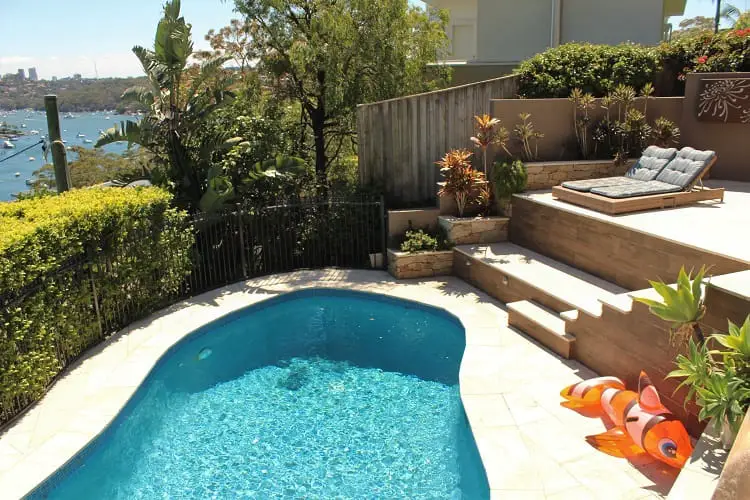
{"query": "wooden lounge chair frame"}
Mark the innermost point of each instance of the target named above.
(613, 206)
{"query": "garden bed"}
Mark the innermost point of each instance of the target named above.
(471, 230)
(403, 265)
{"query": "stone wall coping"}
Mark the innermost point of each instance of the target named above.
(573, 162)
(398, 253)
(414, 210)
(468, 220)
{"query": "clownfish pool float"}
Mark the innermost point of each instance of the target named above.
(642, 423)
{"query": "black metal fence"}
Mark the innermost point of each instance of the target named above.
(257, 241)
(90, 293)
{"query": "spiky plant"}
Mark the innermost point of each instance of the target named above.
(682, 305)
(460, 177)
(664, 132)
(527, 135)
(489, 132)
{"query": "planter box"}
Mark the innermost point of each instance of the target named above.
(403, 265)
(545, 175)
(447, 204)
(468, 230)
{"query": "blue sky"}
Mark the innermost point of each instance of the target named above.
(61, 40)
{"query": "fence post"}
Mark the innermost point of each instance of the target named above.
(383, 231)
(243, 256)
(62, 172)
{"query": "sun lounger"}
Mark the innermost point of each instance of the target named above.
(673, 186)
(650, 164)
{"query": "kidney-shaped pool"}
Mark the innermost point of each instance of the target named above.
(312, 394)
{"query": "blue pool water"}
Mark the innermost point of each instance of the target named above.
(315, 394)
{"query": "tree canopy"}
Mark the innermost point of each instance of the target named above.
(332, 55)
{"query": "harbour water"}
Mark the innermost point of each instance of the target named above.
(87, 124)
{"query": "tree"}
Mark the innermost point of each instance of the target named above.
(232, 41)
(728, 12)
(180, 101)
(95, 166)
(693, 26)
(332, 55)
(743, 21)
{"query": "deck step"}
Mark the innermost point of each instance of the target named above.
(542, 324)
(551, 283)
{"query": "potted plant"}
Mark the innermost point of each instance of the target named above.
(719, 380)
(682, 305)
(508, 178)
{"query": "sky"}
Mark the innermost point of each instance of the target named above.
(60, 40)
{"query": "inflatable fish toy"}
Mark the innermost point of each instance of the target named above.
(642, 423)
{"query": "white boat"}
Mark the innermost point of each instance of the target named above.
(31, 158)
(34, 132)
(23, 125)
(8, 145)
(69, 148)
(17, 174)
(87, 141)
(81, 135)
(68, 116)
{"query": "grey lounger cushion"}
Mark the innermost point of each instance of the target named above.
(643, 188)
(686, 167)
(651, 163)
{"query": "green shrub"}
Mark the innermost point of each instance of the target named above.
(726, 51)
(594, 69)
(126, 244)
(422, 241)
(509, 178)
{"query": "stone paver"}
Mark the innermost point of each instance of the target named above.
(531, 447)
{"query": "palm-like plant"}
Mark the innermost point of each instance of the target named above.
(460, 177)
(727, 11)
(682, 306)
(180, 100)
(489, 132)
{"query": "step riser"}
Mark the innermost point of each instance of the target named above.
(500, 286)
(538, 332)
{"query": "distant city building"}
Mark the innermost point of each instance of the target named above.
(32, 75)
(21, 75)
(54, 78)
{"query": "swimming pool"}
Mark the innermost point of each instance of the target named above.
(314, 394)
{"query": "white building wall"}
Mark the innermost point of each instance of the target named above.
(612, 21)
(512, 30)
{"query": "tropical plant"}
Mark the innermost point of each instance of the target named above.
(331, 56)
(461, 180)
(582, 103)
(738, 343)
(180, 102)
(665, 133)
(508, 178)
(528, 137)
(682, 305)
(489, 132)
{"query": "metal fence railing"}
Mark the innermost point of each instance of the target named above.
(249, 241)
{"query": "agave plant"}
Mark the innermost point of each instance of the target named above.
(737, 341)
(460, 177)
(180, 100)
(682, 306)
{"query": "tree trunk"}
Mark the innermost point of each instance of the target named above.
(717, 21)
(318, 124)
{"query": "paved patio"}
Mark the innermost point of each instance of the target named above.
(710, 226)
(531, 447)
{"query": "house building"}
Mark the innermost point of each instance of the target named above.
(490, 37)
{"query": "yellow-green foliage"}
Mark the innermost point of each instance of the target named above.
(133, 250)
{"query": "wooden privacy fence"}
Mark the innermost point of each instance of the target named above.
(401, 139)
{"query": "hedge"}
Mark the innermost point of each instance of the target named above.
(592, 68)
(127, 245)
(727, 51)
(598, 68)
